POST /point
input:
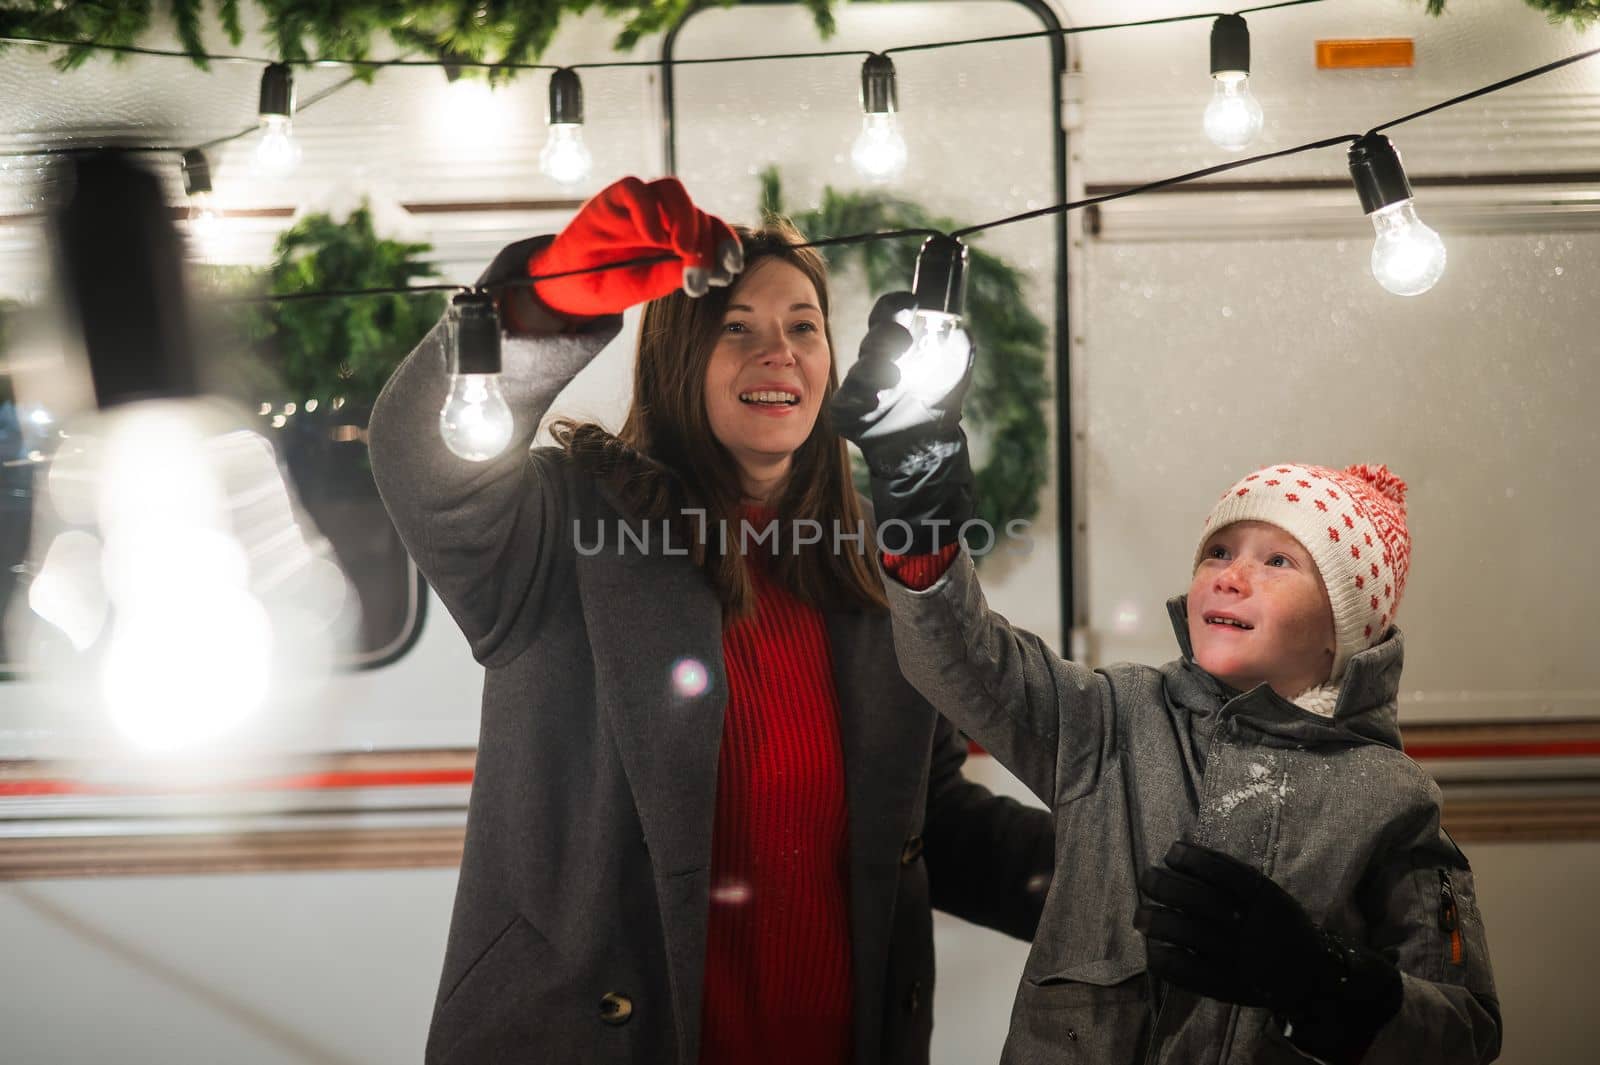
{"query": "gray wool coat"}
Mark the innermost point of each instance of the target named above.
(1131, 758)
(579, 928)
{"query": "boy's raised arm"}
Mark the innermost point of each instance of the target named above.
(1045, 719)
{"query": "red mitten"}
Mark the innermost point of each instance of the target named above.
(630, 219)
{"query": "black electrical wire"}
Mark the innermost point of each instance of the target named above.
(852, 238)
(1495, 87)
(1072, 205)
(524, 282)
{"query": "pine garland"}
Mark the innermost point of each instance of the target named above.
(1005, 404)
(492, 31)
(1580, 13)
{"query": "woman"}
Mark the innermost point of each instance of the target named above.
(709, 815)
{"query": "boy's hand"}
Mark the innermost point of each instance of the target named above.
(630, 219)
(1219, 927)
(915, 450)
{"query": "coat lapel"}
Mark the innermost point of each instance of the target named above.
(655, 628)
(885, 731)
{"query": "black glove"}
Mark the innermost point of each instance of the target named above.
(915, 450)
(1216, 926)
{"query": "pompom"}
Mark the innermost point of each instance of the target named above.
(1381, 480)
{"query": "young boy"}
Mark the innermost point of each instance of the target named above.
(1248, 868)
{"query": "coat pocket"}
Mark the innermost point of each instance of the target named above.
(1097, 1012)
(511, 1005)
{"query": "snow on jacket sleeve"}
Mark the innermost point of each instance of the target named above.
(484, 534)
(1047, 720)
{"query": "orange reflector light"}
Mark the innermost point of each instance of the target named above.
(1371, 52)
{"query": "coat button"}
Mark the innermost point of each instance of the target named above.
(914, 998)
(911, 851)
(615, 1008)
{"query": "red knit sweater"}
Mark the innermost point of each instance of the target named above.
(778, 962)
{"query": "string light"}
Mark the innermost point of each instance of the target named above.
(1404, 231)
(1407, 258)
(879, 151)
(203, 221)
(565, 157)
(1233, 117)
(940, 348)
(277, 152)
(475, 421)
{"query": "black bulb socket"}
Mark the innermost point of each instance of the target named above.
(196, 172)
(1230, 45)
(477, 329)
(940, 283)
(878, 93)
(120, 262)
(277, 91)
(566, 98)
(1380, 178)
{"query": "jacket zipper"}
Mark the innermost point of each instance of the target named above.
(1450, 916)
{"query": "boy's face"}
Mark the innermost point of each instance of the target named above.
(1258, 612)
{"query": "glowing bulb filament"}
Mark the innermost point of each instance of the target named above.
(1233, 117)
(277, 152)
(1407, 258)
(937, 357)
(879, 151)
(475, 422)
(565, 157)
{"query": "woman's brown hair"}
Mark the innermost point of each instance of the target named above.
(666, 459)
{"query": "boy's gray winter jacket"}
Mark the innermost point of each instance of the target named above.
(1131, 758)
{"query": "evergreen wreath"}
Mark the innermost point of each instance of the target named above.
(338, 348)
(1008, 379)
(482, 31)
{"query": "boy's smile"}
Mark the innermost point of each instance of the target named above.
(1258, 612)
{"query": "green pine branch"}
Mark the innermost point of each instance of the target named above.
(482, 31)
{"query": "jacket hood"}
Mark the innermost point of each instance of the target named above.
(1368, 693)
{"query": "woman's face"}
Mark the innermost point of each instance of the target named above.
(768, 372)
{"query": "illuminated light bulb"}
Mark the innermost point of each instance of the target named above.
(940, 349)
(938, 355)
(1408, 258)
(191, 590)
(277, 152)
(879, 151)
(198, 584)
(565, 157)
(205, 225)
(1233, 118)
(475, 421)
